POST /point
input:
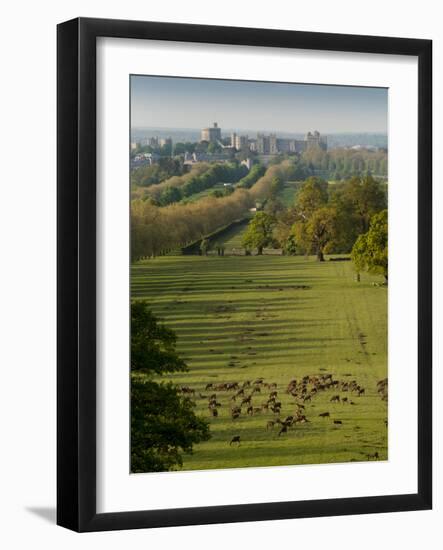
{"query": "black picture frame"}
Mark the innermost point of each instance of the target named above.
(76, 265)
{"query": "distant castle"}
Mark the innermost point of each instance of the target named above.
(266, 144)
(212, 134)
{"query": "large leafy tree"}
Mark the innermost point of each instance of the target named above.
(319, 233)
(312, 195)
(316, 225)
(370, 251)
(259, 232)
(163, 422)
(360, 198)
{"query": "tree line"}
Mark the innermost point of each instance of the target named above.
(154, 190)
(324, 218)
(159, 229)
(165, 168)
(217, 173)
(343, 163)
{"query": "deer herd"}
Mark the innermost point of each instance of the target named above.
(254, 397)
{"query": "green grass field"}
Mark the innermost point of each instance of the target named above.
(241, 318)
(206, 192)
(287, 195)
(232, 238)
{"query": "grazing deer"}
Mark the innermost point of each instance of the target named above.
(324, 415)
(361, 392)
(338, 422)
(270, 425)
(208, 386)
(235, 439)
(375, 456)
(283, 429)
(250, 410)
(214, 412)
(335, 399)
(344, 399)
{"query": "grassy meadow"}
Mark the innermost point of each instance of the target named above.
(279, 318)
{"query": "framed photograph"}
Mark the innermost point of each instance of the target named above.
(236, 340)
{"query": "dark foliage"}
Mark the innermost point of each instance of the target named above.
(163, 422)
(152, 344)
(163, 426)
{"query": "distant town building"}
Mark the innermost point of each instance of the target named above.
(134, 145)
(193, 158)
(165, 141)
(152, 141)
(263, 144)
(241, 142)
(248, 163)
(144, 159)
(316, 140)
(272, 145)
(211, 134)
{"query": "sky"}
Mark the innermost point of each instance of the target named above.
(169, 102)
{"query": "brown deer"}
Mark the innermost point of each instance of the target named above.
(375, 456)
(283, 429)
(235, 439)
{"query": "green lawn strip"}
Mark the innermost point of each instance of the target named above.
(240, 318)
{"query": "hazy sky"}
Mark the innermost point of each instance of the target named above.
(196, 103)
